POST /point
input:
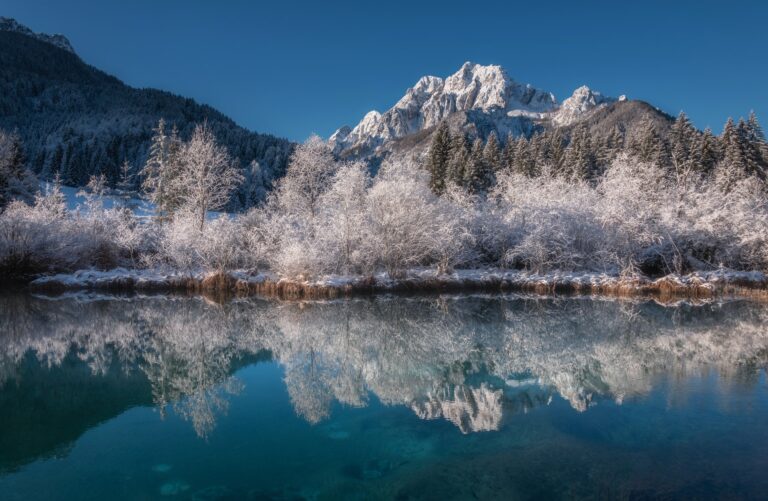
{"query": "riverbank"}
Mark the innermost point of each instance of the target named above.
(698, 285)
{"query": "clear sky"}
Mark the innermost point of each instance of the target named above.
(293, 68)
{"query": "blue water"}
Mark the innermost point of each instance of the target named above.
(457, 397)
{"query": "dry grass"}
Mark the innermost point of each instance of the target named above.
(667, 288)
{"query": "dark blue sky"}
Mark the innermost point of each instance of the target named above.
(292, 68)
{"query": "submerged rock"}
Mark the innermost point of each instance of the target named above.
(174, 488)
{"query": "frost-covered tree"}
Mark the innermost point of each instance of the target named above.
(342, 220)
(207, 175)
(310, 172)
(125, 183)
(162, 169)
(407, 224)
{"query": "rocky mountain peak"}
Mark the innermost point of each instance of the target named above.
(473, 88)
(583, 100)
(60, 41)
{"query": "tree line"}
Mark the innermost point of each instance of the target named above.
(578, 155)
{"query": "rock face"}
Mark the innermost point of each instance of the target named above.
(582, 101)
(484, 98)
(60, 41)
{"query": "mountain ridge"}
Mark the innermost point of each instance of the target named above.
(76, 120)
(477, 100)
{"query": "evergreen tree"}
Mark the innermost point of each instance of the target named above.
(650, 146)
(556, 151)
(750, 149)
(162, 168)
(756, 133)
(525, 164)
(757, 138)
(539, 151)
(478, 176)
(459, 161)
(126, 177)
(579, 156)
(16, 181)
(683, 138)
(707, 152)
(508, 154)
(733, 151)
(733, 166)
(439, 155)
(492, 153)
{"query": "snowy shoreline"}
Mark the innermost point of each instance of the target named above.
(695, 285)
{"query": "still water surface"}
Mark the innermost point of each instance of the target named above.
(460, 397)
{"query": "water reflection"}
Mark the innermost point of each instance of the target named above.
(474, 361)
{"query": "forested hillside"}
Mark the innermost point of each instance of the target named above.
(76, 121)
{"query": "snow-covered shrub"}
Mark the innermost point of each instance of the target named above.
(550, 223)
(220, 245)
(338, 228)
(45, 237)
(406, 224)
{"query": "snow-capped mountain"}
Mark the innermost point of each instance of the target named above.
(582, 101)
(487, 96)
(60, 41)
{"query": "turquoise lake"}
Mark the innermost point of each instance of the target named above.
(449, 397)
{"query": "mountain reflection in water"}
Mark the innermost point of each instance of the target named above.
(474, 361)
(468, 360)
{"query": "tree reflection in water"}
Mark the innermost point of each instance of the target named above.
(471, 360)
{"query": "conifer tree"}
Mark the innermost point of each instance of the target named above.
(508, 154)
(439, 155)
(459, 161)
(478, 175)
(556, 151)
(525, 164)
(126, 177)
(492, 152)
(650, 146)
(683, 137)
(580, 156)
(162, 168)
(16, 181)
(706, 152)
(750, 149)
(733, 166)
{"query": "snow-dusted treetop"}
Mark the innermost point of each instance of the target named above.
(60, 41)
(474, 88)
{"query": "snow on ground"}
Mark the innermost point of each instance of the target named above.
(141, 208)
(164, 279)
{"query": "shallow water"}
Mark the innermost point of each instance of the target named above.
(461, 397)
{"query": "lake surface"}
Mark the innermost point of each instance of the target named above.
(459, 397)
